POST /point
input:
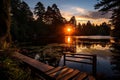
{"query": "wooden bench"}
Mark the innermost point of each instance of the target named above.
(54, 73)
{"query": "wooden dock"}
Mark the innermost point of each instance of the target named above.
(54, 73)
(86, 59)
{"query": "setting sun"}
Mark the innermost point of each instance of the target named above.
(69, 29)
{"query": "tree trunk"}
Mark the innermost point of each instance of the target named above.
(4, 24)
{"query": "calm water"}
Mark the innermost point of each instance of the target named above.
(105, 47)
(108, 63)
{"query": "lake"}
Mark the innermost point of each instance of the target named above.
(108, 55)
(106, 48)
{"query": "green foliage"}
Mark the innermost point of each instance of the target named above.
(10, 69)
(51, 53)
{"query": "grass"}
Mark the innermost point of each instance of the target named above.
(13, 69)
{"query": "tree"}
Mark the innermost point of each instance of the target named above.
(39, 11)
(58, 20)
(56, 10)
(26, 14)
(54, 20)
(114, 6)
(5, 39)
(53, 15)
(48, 18)
(89, 28)
(79, 29)
(22, 19)
(57, 15)
(104, 29)
(73, 21)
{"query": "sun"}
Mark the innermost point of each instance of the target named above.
(69, 29)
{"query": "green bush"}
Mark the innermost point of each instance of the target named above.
(13, 69)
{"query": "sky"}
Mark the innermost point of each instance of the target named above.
(83, 10)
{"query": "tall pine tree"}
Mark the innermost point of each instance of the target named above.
(114, 6)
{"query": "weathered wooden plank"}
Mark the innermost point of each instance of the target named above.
(78, 54)
(70, 75)
(34, 63)
(50, 70)
(54, 70)
(80, 76)
(84, 57)
(91, 77)
(79, 61)
(56, 74)
(63, 74)
(92, 60)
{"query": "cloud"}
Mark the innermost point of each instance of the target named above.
(66, 14)
(97, 15)
(82, 15)
(79, 11)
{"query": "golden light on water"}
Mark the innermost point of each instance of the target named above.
(112, 40)
(68, 40)
(94, 48)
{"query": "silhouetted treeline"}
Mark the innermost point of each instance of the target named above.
(47, 22)
(43, 24)
(92, 29)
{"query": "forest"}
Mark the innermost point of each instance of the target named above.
(40, 23)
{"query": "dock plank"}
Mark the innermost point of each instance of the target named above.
(91, 77)
(69, 70)
(38, 65)
(58, 73)
(70, 75)
(54, 70)
(80, 76)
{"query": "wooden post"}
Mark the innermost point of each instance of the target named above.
(64, 59)
(94, 65)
